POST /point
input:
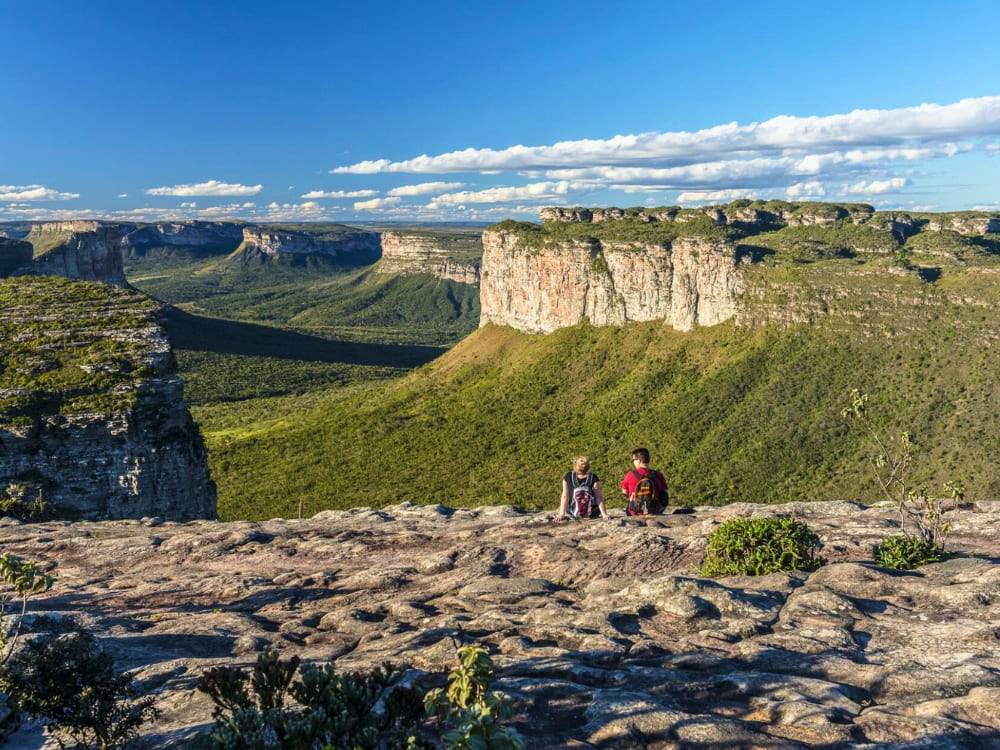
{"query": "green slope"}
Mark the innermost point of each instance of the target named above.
(729, 414)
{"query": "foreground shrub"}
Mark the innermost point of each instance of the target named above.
(906, 552)
(758, 546)
(331, 710)
(69, 684)
(468, 714)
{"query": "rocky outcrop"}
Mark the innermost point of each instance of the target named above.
(408, 253)
(696, 266)
(603, 634)
(350, 246)
(216, 236)
(694, 282)
(103, 430)
(86, 250)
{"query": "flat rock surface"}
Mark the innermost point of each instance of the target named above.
(603, 633)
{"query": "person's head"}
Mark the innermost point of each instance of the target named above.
(641, 455)
(581, 464)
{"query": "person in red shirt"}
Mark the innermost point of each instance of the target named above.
(640, 461)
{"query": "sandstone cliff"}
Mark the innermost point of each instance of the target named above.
(91, 413)
(215, 236)
(747, 261)
(340, 244)
(87, 250)
(441, 255)
(603, 634)
(694, 282)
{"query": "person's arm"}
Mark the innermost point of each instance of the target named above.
(600, 501)
(563, 502)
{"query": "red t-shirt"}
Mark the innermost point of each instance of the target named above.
(631, 480)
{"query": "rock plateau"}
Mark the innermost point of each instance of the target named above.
(604, 634)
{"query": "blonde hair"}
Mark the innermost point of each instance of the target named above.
(581, 464)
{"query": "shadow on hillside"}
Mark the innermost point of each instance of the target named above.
(199, 333)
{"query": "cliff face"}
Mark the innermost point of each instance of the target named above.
(91, 414)
(404, 253)
(350, 246)
(757, 263)
(696, 282)
(86, 250)
(223, 236)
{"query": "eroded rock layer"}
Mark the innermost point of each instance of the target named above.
(408, 253)
(92, 416)
(604, 634)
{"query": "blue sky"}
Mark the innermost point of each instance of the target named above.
(473, 111)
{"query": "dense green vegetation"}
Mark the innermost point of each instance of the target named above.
(64, 346)
(729, 414)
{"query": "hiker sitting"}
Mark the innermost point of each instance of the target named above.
(581, 493)
(643, 487)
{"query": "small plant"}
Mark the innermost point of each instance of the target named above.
(921, 517)
(758, 546)
(470, 712)
(906, 552)
(69, 683)
(22, 579)
(361, 711)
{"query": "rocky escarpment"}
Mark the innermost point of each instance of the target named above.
(337, 243)
(87, 250)
(92, 418)
(215, 236)
(442, 255)
(603, 634)
(748, 261)
(693, 282)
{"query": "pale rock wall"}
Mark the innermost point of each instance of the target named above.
(184, 233)
(85, 250)
(418, 254)
(539, 290)
(261, 243)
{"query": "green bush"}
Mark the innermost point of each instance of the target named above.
(906, 552)
(331, 710)
(69, 683)
(468, 714)
(758, 546)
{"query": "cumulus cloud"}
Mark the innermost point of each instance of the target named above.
(903, 127)
(535, 191)
(713, 196)
(805, 190)
(33, 193)
(340, 194)
(211, 187)
(425, 188)
(377, 204)
(876, 187)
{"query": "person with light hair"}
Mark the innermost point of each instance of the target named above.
(581, 493)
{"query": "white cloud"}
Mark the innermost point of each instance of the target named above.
(903, 127)
(33, 193)
(805, 190)
(713, 196)
(340, 194)
(876, 187)
(376, 204)
(211, 187)
(123, 195)
(535, 191)
(425, 188)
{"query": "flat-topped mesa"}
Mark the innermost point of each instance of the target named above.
(438, 255)
(86, 250)
(693, 282)
(702, 266)
(223, 236)
(343, 244)
(104, 431)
